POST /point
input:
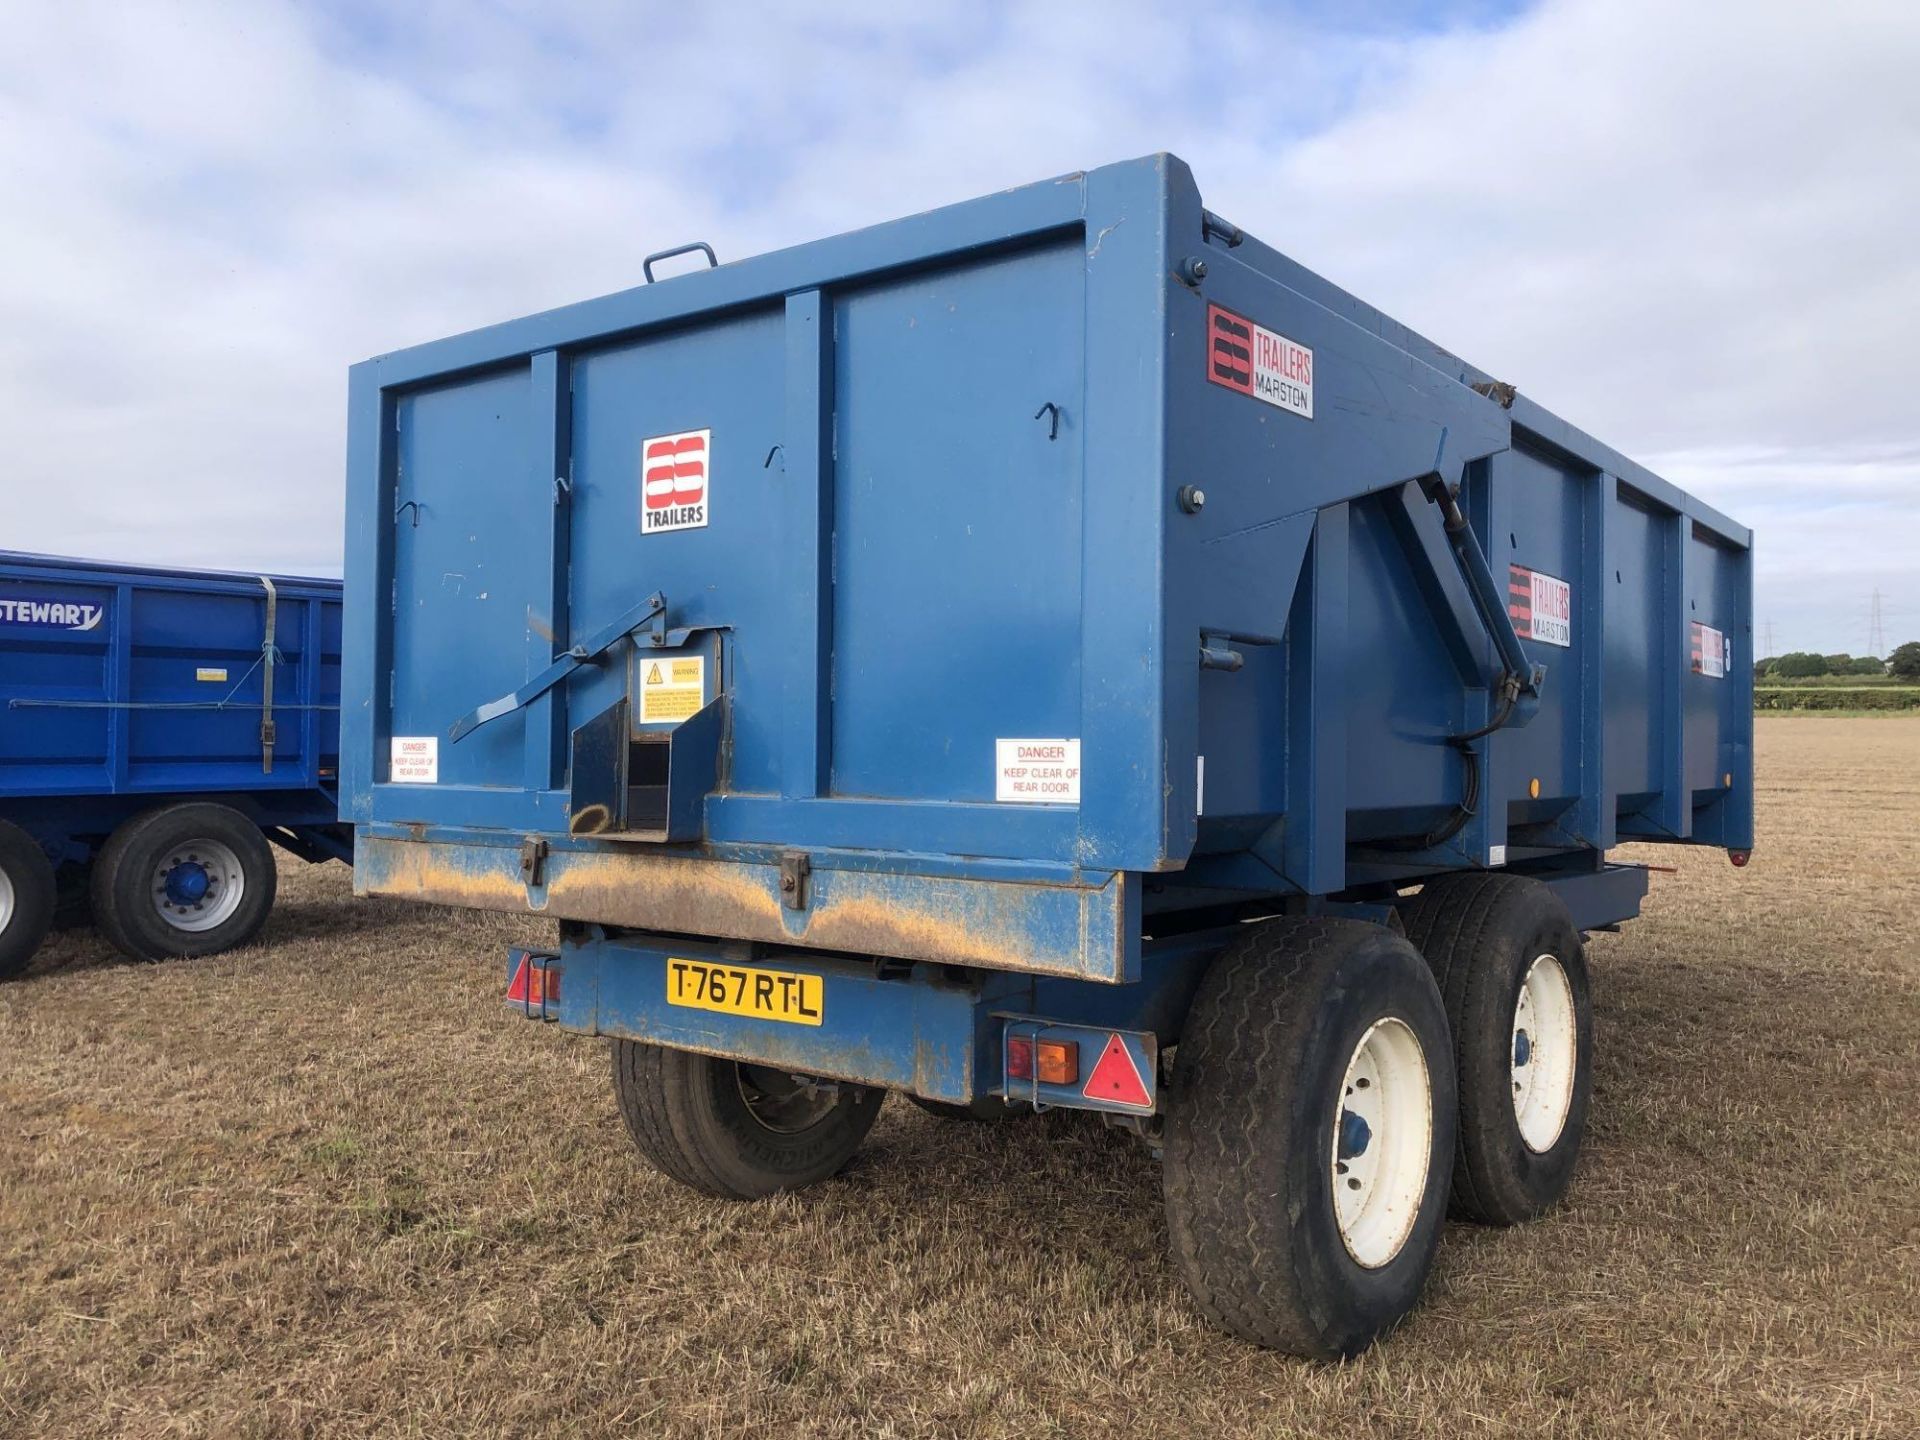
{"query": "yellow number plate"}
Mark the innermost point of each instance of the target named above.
(737, 990)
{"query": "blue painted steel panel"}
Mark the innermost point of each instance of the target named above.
(949, 466)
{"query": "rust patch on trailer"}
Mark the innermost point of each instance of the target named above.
(1000, 925)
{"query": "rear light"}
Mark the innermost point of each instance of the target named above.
(1020, 1059)
(1058, 1060)
(1739, 858)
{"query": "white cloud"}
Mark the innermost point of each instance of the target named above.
(1688, 228)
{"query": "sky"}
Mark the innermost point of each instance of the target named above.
(1688, 226)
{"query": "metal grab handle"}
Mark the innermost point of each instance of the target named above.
(713, 261)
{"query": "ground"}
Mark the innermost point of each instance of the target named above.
(328, 1185)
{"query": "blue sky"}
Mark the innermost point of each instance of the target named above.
(1689, 228)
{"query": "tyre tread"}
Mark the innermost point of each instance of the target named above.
(1452, 920)
(1227, 1236)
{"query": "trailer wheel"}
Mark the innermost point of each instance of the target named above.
(1309, 1135)
(737, 1131)
(26, 898)
(1513, 973)
(983, 1108)
(191, 879)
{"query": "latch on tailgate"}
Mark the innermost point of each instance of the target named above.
(651, 612)
(795, 870)
(587, 653)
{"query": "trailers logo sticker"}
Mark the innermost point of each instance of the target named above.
(52, 614)
(674, 471)
(1540, 606)
(1712, 654)
(1242, 356)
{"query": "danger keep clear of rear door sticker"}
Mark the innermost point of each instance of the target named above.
(1540, 606)
(1259, 362)
(675, 473)
(1037, 772)
(1712, 654)
(414, 760)
(672, 687)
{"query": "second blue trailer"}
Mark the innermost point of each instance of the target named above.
(158, 729)
(1052, 651)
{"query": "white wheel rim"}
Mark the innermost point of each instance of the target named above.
(1382, 1142)
(197, 885)
(6, 900)
(1543, 1054)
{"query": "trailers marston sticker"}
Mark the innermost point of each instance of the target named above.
(1540, 606)
(52, 614)
(675, 471)
(1712, 653)
(1037, 772)
(1258, 362)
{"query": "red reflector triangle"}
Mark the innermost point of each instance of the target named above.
(519, 989)
(1116, 1079)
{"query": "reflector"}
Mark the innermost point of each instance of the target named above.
(1116, 1079)
(533, 987)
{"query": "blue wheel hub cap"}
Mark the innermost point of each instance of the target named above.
(188, 883)
(1355, 1135)
(1522, 1048)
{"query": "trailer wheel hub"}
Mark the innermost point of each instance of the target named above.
(187, 884)
(197, 886)
(1546, 1051)
(785, 1103)
(1383, 1139)
(1355, 1135)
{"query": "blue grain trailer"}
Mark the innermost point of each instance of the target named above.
(1052, 651)
(157, 729)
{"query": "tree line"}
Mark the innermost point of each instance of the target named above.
(1902, 664)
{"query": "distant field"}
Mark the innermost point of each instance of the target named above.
(328, 1185)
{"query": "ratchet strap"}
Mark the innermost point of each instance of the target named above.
(268, 652)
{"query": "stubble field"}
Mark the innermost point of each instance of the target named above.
(328, 1185)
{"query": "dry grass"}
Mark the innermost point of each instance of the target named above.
(328, 1185)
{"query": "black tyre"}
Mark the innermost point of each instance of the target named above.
(737, 1131)
(1309, 1135)
(192, 879)
(26, 898)
(1513, 973)
(983, 1108)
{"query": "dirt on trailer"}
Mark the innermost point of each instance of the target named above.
(330, 1185)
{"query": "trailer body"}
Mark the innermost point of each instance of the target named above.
(917, 660)
(941, 467)
(127, 689)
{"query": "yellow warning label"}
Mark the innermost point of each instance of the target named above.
(210, 672)
(673, 689)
